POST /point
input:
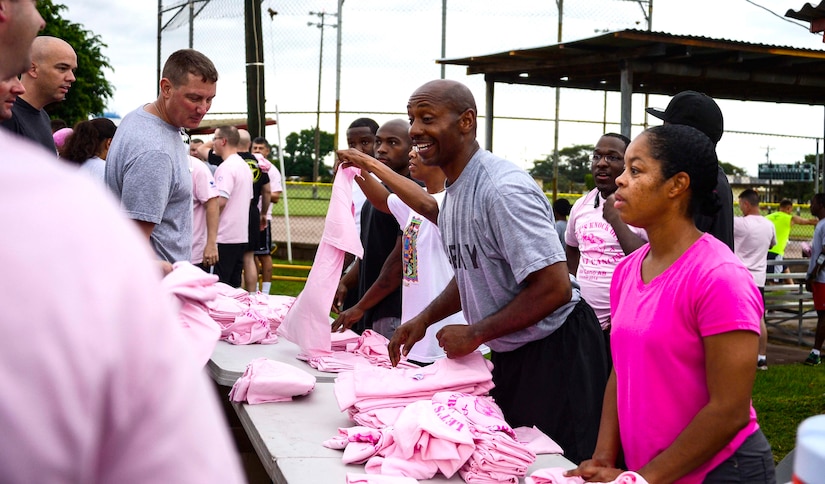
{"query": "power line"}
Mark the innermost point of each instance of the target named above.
(786, 19)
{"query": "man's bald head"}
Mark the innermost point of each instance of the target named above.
(52, 71)
(452, 94)
(44, 45)
(245, 140)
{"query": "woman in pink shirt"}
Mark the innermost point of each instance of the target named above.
(685, 315)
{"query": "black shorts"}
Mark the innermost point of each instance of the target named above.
(230, 263)
(254, 228)
(557, 383)
(265, 240)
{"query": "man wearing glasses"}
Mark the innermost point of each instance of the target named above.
(596, 237)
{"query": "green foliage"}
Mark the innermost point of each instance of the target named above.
(91, 90)
(299, 154)
(732, 169)
(574, 166)
(784, 396)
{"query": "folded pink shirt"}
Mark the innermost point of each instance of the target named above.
(266, 380)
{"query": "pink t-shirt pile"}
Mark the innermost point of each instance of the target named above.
(266, 381)
(375, 396)
(452, 432)
(369, 348)
(248, 318)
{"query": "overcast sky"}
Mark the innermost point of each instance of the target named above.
(390, 47)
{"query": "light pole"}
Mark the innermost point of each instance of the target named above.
(321, 25)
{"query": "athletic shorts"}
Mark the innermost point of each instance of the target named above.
(819, 295)
(265, 240)
(777, 269)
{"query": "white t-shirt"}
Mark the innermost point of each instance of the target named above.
(234, 181)
(753, 236)
(426, 272)
(599, 251)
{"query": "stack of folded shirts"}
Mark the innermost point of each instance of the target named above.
(369, 348)
(248, 318)
(342, 339)
(266, 380)
(428, 438)
(369, 388)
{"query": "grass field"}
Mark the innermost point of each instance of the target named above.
(784, 396)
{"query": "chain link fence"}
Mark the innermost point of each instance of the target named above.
(388, 49)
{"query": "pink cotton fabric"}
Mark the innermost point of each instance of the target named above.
(368, 348)
(657, 345)
(353, 478)
(266, 381)
(367, 388)
(248, 318)
(307, 323)
(537, 441)
(555, 475)
(203, 189)
(452, 432)
(193, 289)
(99, 385)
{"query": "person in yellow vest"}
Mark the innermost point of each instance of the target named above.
(782, 220)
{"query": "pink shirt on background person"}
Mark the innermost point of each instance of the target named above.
(657, 344)
(98, 383)
(234, 181)
(599, 251)
(203, 189)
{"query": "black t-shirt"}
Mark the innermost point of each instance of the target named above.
(31, 123)
(379, 232)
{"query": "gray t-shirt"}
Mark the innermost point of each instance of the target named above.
(498, 228)
(148, 169)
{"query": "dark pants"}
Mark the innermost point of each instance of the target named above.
(230, 263)
(557, 383)
(751, 463)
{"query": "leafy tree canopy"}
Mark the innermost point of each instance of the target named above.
(732, 169)
(299, 154)
(91, 90)
(574, 167)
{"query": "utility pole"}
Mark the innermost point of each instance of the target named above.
(338, 76)
(560, 5)
(770, 172)
(321, 25)
(255, 98)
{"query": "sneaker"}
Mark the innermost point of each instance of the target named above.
(762, 365)
(813, 359)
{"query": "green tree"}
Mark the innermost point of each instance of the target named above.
(299, 154)
(732, 169)
(574, 166)
(91, 90)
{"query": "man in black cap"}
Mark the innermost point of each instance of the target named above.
(700, 111)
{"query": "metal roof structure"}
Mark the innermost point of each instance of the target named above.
(640, 61)
(809, 13)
